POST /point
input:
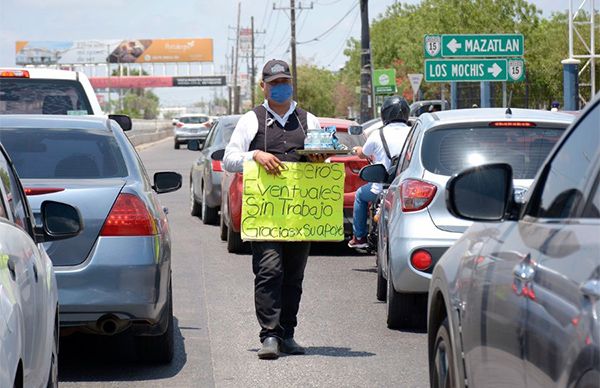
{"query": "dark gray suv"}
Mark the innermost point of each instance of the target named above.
(516, 301)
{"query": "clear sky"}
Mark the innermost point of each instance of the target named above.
(147, 19)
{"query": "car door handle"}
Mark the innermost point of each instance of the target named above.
(525, 270)
(591, 289)
(166, 210)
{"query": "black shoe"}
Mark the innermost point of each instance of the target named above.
(270, 349)
(289, 346)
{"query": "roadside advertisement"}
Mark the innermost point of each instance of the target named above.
(113, 51)
(304, 203)
(384, 81)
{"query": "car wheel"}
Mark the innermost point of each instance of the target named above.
(194, 205)
(210, 215)
(223, 228)
(161, 348)
(381, 282)
(442, 375)
(234, 241)
(53, 373)
(404, 311)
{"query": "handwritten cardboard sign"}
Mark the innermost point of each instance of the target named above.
(305, 203)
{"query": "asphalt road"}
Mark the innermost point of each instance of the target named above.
(340, 321)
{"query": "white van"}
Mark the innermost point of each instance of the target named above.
(46, 91)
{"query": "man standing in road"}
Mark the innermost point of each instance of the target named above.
(270, 134)
(381, 146)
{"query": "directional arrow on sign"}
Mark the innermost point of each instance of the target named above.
(495, 70)
(453, 45)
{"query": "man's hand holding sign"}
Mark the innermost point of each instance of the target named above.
(301, 202)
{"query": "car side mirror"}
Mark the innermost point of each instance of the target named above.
(218, 155)
(195, 145)
(481, 193)
(375, 173)
(355, 130)
(59, 221)
(166, 182)
(124, 121)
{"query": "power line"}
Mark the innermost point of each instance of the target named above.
(316, 38)
(344, 42)
(272, 35)
(330, 3)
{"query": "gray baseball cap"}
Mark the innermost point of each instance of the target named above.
(275, 69)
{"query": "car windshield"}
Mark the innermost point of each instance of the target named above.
(63, 153)
(447, 151)
(42, 96)
(224, 130)
(193, 119)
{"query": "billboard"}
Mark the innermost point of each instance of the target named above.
(113, 51)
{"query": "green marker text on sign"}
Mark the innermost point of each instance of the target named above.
(304, 203)
(473, 45)
(447, 70)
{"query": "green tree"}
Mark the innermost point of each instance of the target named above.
(316, 88)
(137, 103)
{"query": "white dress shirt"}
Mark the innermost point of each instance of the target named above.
(236, 152)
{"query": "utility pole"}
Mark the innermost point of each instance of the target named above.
(366, 89)
(293, 9)
(230, 88)
(252, 67)
(236, 93)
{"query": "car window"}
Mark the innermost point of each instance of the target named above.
(14, 196)
(565, 178)
(63, 153)
(409, 147)
(193, 119)
(592, 208)
(43, 96)
(448, 151)
(224, 130)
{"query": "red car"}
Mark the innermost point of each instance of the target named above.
(231, 187)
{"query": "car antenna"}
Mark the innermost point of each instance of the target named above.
(508, 110)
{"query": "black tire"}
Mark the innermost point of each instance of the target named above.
(53, 373)
(381, 282)
(404, 311)
(210, 215)
(161, 348)
(176, 145)
(442, 369)
(223, 226)
(234, 241)
(194, 205)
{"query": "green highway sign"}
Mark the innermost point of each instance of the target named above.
(473, 45)
(384, 81)
(474, 70)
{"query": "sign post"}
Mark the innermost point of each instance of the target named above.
(415, 83)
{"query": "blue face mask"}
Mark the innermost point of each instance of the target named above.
(280, 93)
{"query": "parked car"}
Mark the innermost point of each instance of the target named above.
(116, 274)
(205, 174)
(415, 228)
(427, 106)
(516, 301)
(191, 127)
(46, 91)
(28, 294)
(231, 186)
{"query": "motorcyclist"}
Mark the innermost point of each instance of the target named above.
(380, 148)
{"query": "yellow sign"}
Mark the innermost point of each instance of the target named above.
(304, 203)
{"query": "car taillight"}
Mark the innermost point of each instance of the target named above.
(129, 217)
(42, 190)
(416, 195)
(216, 165)
(14, 74)
(512, 124)
(421, 260)
(179, 125)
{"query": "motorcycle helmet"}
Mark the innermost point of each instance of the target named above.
(394, 109)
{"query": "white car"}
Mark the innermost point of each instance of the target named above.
(46, 91)
(191, 127)
(28, 295)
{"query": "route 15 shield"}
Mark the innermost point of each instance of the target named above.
(433, 44)
(516, 69)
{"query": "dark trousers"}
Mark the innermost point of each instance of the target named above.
(278, 273)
